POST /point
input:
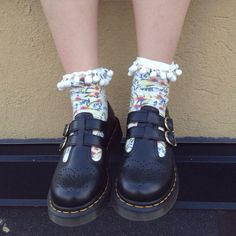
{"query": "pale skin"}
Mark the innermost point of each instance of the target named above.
(158, 28)
(76, 43)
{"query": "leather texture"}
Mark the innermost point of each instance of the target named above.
(144, 176)
(80, 180)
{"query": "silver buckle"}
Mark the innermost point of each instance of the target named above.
(166, 124)
(168, 140)
(62, 145)
(66, 130)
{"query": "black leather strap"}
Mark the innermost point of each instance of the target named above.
(146, 132)
(83, 138)
(146, 117)
(84, 124)
(147, 128)
(152, 133)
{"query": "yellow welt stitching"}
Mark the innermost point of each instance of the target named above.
(81, 210)
(148, 206)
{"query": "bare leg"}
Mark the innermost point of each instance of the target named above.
(79, 176)
(73, 25)
(158, 27)
(149, 165)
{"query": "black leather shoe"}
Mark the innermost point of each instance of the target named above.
(80, 186)
(147, 185)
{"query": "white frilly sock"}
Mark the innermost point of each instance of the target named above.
(87, 94)
(150, 87)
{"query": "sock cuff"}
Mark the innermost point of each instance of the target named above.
(153, 64)
(154, 68)
(101, 76)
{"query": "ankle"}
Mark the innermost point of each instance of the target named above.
(150, 85)
(87, 91)
(99, 76)
(155, 69)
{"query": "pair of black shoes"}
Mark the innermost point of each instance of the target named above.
(146, 186)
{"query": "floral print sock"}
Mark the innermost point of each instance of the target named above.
(89, 99)
(87, 94)
(150, 87)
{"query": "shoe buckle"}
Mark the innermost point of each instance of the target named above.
(66, 130)
(167, 125)
(63, 144)
(170, 138)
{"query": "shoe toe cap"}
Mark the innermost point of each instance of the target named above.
(144, 186)
(74, 192)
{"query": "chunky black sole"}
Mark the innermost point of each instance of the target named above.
(140, 212)
(84, 215)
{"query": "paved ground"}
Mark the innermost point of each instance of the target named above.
(34, 222)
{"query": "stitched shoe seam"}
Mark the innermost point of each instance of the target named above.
(152, 205)
(83, 209)
(88, 207)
